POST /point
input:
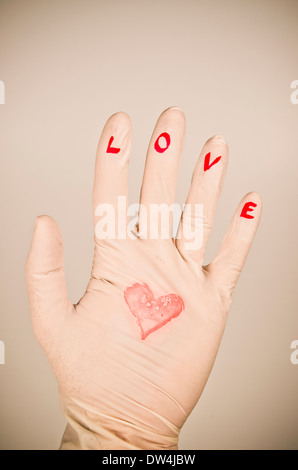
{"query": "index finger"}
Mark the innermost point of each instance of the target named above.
(112, 158)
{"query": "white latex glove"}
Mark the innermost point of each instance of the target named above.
(133, 356)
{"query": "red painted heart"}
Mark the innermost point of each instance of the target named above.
(151, 313)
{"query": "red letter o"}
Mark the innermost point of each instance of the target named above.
(160, 149)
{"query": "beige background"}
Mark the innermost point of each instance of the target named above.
(69, 65)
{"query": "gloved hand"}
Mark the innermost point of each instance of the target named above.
(133, 356)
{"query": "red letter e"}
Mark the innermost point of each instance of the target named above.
(247, 208)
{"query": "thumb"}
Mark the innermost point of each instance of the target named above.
(48, 298)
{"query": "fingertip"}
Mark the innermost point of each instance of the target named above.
(119, 124)
(217, 144)
(218, 138)
(173, 108)
(46, 251)
(44, 219)
(255, 199)
(120, 116)
(255, 196)
(44, 225)
(46, 236)
(115, 141)
(175, 112)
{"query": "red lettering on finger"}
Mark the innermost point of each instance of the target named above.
(207, 164)
(157, 146)
(248, 207)
(111, 149)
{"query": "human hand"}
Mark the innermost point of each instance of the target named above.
(133, 356)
